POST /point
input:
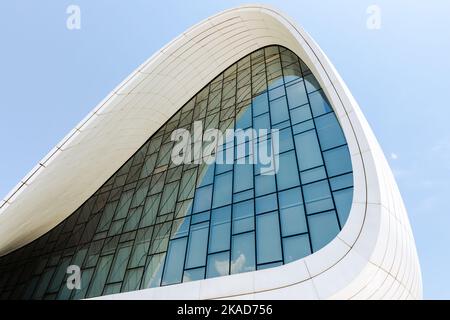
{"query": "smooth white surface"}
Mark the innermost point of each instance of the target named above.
(366, 260)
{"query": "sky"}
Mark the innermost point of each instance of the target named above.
(52, 76)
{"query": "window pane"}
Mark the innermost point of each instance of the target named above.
(343, 200)
(329, 131)
(243, 213)
(301, 114)
(243, 253)
(124, 204)
(317, 197)
(292, 212)
(99, 279)
(266, 203)
(132, 280)
(308, 150)
(270, 265)
(287, 175)
(187, 186)
(276, 93)
(198, 239)
(313, 175)
(279, 110)
(296, 248)
(323, 228)
(261, 122)
(296, 95)
(286, 141)
(302, 127)
(218, 265)
(319, 103)
(338, 161)
(244, 195)
(173, 269)
(244, 119)
(202, 200)
(120, 264)
(169, 198)
(139, 254)
(194, 274)
(200, 217)
(264, 184)
(150, 210)
(223, 189)
(268, 237)
(153, 271)
(219, 238)
(243, 177)
(341, 182)
(311, 83)
(206, 175)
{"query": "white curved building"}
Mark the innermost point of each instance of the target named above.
(108, 199)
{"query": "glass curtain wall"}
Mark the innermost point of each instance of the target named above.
(155, 223)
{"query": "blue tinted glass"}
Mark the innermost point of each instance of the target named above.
(313, 175)
(163, 222)
(279, 110)
(317, 197)
(286, 142)
(243, 177)
(198, 239)
(207, 176)
(260, 104)
(329, 131)
(243, 253)
(338, 161)
(218, 264)
(261, 122)
(343, 200)
(200, 217)
(308, 150)
(319, 103)
(223, 189)
(311, 83)
(244, 195)
(268, 241)
(323, 228)
(174, 265)
(181, 229)
(301, 114)
(276, 93)
(264, 184)
(296, 247)
(243, 213)
(296, 95)
(287, 175)
(292, 212)
(266, 203)
(302, 127)
(194, 274)
(202, 200)
(225, 157)
(341, 182)
(244, 119)
(219, 238)
(270, 265)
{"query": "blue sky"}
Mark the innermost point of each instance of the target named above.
(51, 77)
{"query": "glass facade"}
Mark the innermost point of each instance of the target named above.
(157, 223)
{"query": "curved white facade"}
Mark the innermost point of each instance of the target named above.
(373, 257)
